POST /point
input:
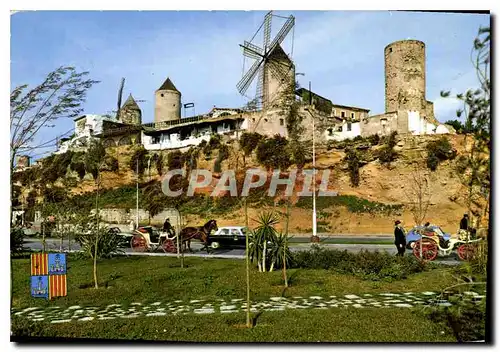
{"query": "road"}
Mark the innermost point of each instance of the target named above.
(54, 245)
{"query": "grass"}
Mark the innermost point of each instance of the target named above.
(124, 280)
(148, 279)
(329, 325)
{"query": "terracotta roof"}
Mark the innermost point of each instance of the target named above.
(168, 85)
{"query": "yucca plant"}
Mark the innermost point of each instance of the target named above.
(108, 243)
(279, 252)
(265, 234)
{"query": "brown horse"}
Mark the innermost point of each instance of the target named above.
(201, 233)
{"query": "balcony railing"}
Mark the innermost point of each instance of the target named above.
(119, 130)
(166, 124)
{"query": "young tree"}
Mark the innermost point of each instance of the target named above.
(60, 95)
(474, 167)
(95, 159)
(419, 193)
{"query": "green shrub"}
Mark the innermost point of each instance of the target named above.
(274, 152)
(365, 264)
(16, 241)
(438, 151)
(374, 139)
(249, 141)
(465, 317)
(432, 162)
(352, 158)
(352, 203)
(175, 160)
(138, 160)
(387, 154)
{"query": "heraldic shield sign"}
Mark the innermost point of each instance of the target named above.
(48, 275)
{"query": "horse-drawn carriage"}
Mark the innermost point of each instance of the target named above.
(149, 238)
(431, 241)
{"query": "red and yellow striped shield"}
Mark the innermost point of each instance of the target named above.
(39, 264)
(57, 286)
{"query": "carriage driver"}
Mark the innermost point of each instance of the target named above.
(167, 227)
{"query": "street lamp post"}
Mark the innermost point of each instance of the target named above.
(314, 237)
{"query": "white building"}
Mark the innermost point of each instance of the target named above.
(191, 131)
(418, 125)
(86, 127)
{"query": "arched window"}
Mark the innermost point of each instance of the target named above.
(125, 141)
(109, 143)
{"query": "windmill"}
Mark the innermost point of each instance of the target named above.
(272, 65)
(119, 106)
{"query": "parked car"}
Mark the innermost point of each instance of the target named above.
(228, 237)
(413, 235)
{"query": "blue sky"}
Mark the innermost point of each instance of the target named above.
(340, 52)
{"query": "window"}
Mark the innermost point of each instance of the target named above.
(339, 129)
(383, 122)
(155, 140)
(265, 120)
(390, 50)
(342, 114)
(253, 119)
(162, 95)
(349, 126)
(282, 122)
(352, 115)
(330, 131)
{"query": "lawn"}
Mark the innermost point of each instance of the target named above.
(132, 279)
(331, 325)
(125, 280)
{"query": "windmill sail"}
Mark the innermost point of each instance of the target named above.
(270, 61)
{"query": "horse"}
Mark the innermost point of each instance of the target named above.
(201, 233)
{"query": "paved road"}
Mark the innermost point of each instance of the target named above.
(54, 244)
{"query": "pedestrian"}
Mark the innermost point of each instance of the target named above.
(399, 238)
(131, 225)
(464, 223)
(167, 227)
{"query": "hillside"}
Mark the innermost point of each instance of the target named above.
(370, 208)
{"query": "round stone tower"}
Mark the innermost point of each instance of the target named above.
(405, 76)
(167, 102)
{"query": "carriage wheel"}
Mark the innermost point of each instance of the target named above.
(466, 251)
(429, 250)
(138, 243)
(169, 246)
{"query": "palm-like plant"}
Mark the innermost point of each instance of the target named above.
(265, 234)
(279, 252)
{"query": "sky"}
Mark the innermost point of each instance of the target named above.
(340, 52)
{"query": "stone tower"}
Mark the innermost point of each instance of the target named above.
(167, 102)
(405, 80)
(130, 112)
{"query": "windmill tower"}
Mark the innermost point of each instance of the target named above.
(273, 68)
(130, 113)
(167, 102)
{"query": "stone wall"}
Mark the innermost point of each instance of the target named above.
(382, 124)
(123, 216)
